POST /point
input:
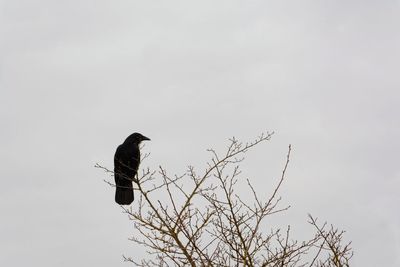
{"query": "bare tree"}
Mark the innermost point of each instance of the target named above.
(203, 222)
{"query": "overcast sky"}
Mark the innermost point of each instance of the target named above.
(77, 77)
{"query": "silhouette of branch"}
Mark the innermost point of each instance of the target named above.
(202, 221)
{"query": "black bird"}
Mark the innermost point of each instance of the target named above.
(126, 164)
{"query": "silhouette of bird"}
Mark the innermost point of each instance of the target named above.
(126, 164)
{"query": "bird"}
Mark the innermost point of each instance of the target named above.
(126, 164)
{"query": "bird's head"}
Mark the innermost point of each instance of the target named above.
(136, 138)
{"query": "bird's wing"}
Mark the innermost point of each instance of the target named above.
(121, 171)
(126, 162)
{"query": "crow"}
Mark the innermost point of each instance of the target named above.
(126, 164)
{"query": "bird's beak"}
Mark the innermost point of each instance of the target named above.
(145, 138)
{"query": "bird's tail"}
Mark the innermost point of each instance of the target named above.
(124, 196)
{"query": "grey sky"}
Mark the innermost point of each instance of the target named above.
(77, 77)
